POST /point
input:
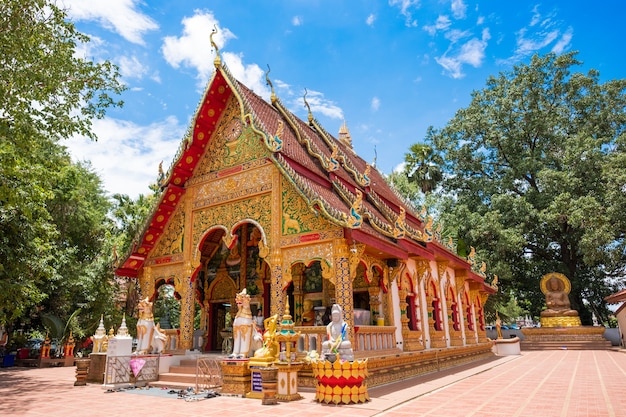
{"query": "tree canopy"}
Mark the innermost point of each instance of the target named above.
(535, 179)
(53, 212)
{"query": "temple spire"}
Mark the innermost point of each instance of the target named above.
(344, 135)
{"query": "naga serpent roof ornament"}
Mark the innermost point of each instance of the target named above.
(268, 82)
(364, 178)
(306, 103)
(333, 163)
(218, 60)
(355, 218)
(399, 229)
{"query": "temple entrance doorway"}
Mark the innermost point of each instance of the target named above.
(167, 307)
(222, 330)
(229, 263)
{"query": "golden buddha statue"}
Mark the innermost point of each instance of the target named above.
(556, 288)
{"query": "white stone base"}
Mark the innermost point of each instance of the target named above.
(507, 347)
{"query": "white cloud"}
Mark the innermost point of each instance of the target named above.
(293, 98)
(183, 51)
(296, 21)
(536, 16)
(89, 50)
(320, 105)
(193, 48)
(375, 104)
(563, 43)
(480, 20)
(458, 9)
(130, 67)
(121, 16)
(540, 33)
(370, 20)
(527, 45)
(404, 6)
(472, 52)
(127, 155)
(399, 167)
(249, 74)
(443, 23)
(456, 35)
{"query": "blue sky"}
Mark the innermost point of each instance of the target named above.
(390, 69)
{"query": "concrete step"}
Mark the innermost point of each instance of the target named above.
(183, 369)
(175, 380)
(191, 363)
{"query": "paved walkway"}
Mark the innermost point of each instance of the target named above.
(563, 383)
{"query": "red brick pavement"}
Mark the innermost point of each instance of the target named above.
(563, 383)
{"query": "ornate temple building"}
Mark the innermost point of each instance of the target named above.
(259, 199)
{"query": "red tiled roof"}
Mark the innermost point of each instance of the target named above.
(617, 297)
(303, 145)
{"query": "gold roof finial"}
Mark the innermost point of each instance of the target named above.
(344, 135)
(267, 80)
(306, 103)
(218, 60)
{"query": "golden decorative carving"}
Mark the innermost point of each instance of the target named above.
(399, 228)
(561, 321)
(356, 252)
(428, 230)
(459, 280)
(255, 209)
(217, 62)
(264, 250)
(422, 267)
(171, 241)
(290, 225)
(232, 187)
(222, 288)
(483, 270)
(471, 257)
(441, 268)
(297, 215)
(355, 218)
(167, 271)
(395, 272)
(364, 179)
(218, 154)
(228, 239)
(333, 163)
(494, 283)
(146, 283)
(306, 254)
(327, 269)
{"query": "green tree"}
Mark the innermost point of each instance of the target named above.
(423, 167)
(47, 93)
(536, 169)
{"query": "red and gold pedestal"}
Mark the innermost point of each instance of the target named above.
(341, 382)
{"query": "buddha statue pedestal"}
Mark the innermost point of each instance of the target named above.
(572, 337)
(236, 377)
(340, 382)
(560, 321)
